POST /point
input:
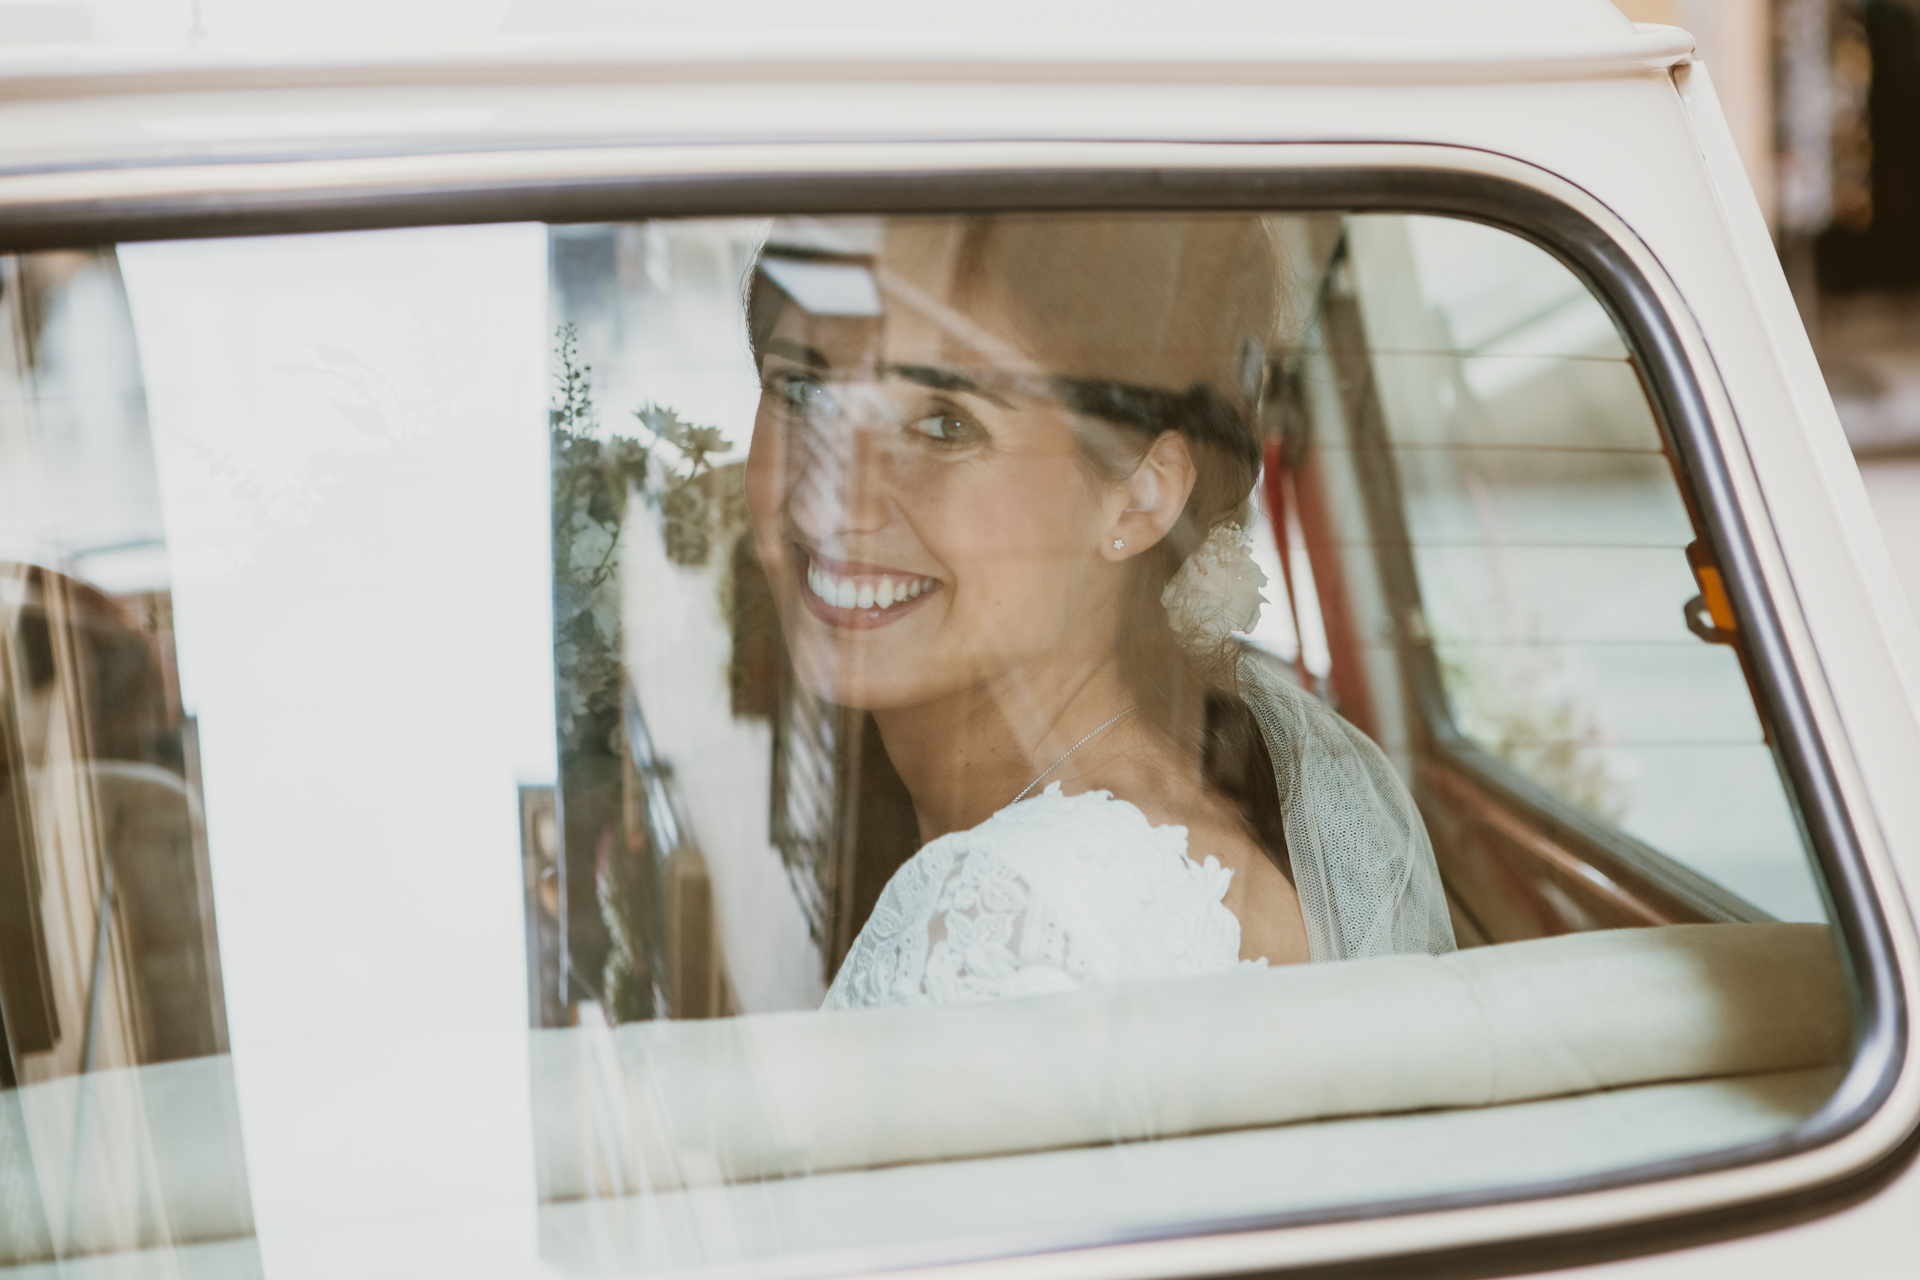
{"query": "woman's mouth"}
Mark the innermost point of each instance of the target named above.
(845, 594)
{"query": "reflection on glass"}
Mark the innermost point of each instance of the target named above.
(910, 539)
(118, 1124)
(1550, 542)
(601, 647)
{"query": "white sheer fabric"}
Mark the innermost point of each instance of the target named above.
(1362, 862)
(1052, 894)
(1061, 892)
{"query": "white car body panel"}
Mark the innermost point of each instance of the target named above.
(1571, 100)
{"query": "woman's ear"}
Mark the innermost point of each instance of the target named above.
(1156, 494)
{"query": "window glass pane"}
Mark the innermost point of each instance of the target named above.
(794, 740)
(118, 1116)
(1549, 539)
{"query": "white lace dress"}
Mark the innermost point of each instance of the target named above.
(1055, 893)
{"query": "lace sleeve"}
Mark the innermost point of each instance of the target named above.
(1051, 894)
(957, 925)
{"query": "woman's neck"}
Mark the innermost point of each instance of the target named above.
(964, 757)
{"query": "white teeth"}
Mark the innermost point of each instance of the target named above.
(848, 594)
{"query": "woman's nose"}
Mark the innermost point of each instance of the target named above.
(845, 483)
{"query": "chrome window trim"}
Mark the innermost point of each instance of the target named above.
(1865, 1131)
(617, 57)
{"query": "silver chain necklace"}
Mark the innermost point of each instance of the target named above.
(1069, 751)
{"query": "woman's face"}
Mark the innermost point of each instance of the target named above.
(923, 511)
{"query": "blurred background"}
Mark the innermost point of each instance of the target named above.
(1824, 100)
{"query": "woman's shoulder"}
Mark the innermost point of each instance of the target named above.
(1100, 810)
(1048, 894)
(1088, 824)
(1055, 839)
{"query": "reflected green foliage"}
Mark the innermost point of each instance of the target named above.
(593, 476)
(686, 510)
(616, 932)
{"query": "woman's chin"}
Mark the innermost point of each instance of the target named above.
(869, 691)
(867, 682)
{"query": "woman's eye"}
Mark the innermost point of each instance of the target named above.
(947, 428)
(803, 397)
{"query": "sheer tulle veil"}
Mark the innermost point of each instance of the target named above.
(1362, 863)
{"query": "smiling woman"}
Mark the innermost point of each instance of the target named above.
(903, 659)
(982, 454)
(908, 660)
(992, 690)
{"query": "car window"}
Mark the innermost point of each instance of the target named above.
(840, 742)
(1573, 637)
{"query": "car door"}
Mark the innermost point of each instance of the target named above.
(422, 848)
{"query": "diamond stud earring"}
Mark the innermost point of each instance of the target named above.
(1119, 544)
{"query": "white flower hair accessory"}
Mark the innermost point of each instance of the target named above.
(1217, 590)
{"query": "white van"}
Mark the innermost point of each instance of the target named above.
(530, 566)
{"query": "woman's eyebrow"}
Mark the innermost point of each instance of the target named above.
(809, 356)
(945, 380)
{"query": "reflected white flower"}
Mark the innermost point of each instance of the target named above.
(1217, 590)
